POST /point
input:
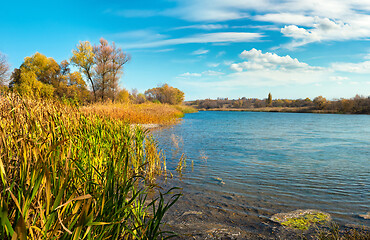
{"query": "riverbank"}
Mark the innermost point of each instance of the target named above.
(276, 109)
(201, 215)
(71, 174)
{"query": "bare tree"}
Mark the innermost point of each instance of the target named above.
(104, 64)
(4, 68)
(109, 62)
(118, 60)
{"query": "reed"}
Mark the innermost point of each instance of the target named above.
(136, 113)
(66, 174)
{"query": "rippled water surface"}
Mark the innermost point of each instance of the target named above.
(275, 162)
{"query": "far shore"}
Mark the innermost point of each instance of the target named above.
(275, 109)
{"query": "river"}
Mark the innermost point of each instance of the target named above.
(255, 164)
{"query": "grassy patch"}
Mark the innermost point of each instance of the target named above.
(305, 221)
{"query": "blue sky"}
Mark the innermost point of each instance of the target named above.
(208, 48)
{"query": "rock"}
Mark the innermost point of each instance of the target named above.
(191, 212)
(365, 216)
(301, 219)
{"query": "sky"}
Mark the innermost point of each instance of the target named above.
(208, 48)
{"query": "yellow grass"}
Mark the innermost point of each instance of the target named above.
(136, 113)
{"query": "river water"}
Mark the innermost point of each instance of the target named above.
(265, 163)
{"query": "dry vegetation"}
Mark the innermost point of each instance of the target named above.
(69, 175)
(139, 113)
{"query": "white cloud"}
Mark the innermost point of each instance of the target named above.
(220, 37)
(200, 52)
(361, 67)
(213, 65)
(220, 54)
(212, 73)
(204, 27)
(286, 18)
(256, 60)
(205, 73)
(139, 35)
(306, 21)
(324, 29)
(221, 10)
(338, 78)
(188, 74)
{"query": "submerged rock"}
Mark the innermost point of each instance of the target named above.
(365, 216)
(301, 219)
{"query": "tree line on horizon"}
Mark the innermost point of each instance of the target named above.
(100, 68)
(357, 104)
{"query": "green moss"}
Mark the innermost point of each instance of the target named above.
(305, 221)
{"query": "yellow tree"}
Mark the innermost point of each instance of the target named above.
(165, 94)
(83, 58)
(36, 76)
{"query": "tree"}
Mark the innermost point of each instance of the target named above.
(4, 68)
(102, 65)
(319, 102)
(165, 94)
(39, 76)
(269, 100)
(123, 96)
(36, 76)
(119, 59)
(83, 58)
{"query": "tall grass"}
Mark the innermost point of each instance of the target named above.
(69, 175)
(136, 113)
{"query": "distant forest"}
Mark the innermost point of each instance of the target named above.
(355, 105)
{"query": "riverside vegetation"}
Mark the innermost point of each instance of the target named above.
(70, 174)
(72, 165)
(356, 105)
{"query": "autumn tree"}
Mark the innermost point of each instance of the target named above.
(269, 100)
(83, 58)
(123, 96)
(102, 65)
(36, 76)
(320, 102)
(39, 76)
(4, 68)
(118, 60)
(165, 94)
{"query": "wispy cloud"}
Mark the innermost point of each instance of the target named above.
(286, 18)
(205, 73)
(204, 27)
(200, 52)
(134, 13)
(361, 67)
(306, 21)
(188, 74)
(220, 37)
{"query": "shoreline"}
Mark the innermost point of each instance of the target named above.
(280, 110)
